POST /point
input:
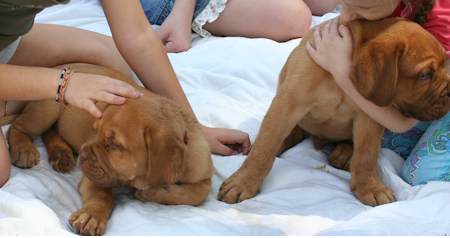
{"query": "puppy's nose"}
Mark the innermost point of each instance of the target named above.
(86, 153)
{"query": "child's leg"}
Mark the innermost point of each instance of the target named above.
(280, 20)
(320, 7)
(5, 162)
(51, 45)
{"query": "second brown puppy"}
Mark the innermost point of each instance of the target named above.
(149, 144)
(395, 63)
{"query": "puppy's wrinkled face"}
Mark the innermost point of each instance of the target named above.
(140, 144)
(404, 66)
(424, 85)
(367, 9)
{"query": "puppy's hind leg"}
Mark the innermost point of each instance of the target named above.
(341, 155)
(296, 136)
(60, 154)
(36, 118)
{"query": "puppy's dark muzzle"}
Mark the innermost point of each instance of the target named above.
(91, 166)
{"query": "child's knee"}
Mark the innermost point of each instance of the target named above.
(297, 20)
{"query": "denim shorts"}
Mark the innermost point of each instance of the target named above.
(158, 10)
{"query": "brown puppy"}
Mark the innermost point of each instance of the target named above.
(149, 144)
(395, 62)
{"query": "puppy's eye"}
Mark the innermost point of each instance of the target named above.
(428, 75)
(110, 144)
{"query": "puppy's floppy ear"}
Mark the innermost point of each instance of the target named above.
(375, 70)
(165, 150)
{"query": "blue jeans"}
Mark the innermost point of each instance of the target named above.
(158, 10)
(404, 143)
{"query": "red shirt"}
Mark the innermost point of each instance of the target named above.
(438, 21)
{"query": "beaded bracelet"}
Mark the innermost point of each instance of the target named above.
(63, 82)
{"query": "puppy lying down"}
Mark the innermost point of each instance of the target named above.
(149, 144)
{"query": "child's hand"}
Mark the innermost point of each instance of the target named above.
(176, 33)
(227, 141)
(333, 49)
(86, 89)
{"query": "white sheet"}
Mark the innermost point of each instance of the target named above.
(230, 83)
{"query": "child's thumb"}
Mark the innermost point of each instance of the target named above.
(170, 47)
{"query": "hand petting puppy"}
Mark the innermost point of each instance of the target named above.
(332, 50)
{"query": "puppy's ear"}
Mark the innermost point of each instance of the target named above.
(375, 70)
(165, 151)
(97, 124)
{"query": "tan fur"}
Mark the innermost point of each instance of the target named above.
(388, 57)
(150, 144)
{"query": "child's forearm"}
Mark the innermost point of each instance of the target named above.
(142, 49)
(388, 117)
(157, 73)
(27, 83)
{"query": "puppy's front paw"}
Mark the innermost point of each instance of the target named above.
(239, 187)
(24, 154)
(374, 194)
(62, 160)
(87, 222)
(147, 195)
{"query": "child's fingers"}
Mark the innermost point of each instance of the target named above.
(89, 106)
(345, 33)
(109, 98)
(170, 47)
(334, 28)
(317, 38)
(311, 51)
(325, 29)
(222, 149)
(121, 88)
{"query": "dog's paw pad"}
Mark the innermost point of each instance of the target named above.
(24, 156)
(85, 223)
(238, 188)
(62, 160)
(375, 195)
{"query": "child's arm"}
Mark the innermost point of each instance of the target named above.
(176, 30)
(333, 53)
(36, 83)
(144, 52)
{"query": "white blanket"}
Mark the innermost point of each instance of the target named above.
(230, 83)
